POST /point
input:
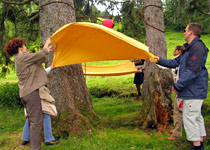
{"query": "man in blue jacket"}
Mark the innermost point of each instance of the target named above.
(192, 85)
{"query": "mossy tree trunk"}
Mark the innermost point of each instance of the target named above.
(157, 102)
(67, 84)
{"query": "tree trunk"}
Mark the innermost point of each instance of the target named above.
(2, 28)
(157, 102)
(3, 58)
(67, 84)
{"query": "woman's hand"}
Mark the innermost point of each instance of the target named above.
(51, 66)
(48, 46)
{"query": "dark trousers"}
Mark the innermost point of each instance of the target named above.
(32, 102)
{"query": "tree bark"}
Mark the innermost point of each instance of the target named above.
(4, 60)
(2, 26)
(67, 84)
(157, 102)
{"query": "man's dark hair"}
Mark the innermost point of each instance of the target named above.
(196, 28)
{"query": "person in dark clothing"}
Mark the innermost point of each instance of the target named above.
(192, 85)
(139, 77)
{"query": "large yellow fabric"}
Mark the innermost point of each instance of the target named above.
(112, 70)
(84, 42)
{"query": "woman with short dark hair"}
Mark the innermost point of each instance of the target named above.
(31, 76)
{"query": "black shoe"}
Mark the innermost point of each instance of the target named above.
(137, 97)
(51, 143)
(25, 142)
(197, 148)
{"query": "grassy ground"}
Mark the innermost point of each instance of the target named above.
(122, 138)
(120, 102)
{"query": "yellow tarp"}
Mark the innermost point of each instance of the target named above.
(112, 70)
(84, 42)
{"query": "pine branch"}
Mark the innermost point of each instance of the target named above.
(202, 12)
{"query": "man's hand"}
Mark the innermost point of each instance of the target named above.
(154, 58)
(140, 70)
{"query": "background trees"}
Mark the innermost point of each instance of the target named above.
(18, 19)
(178, 13)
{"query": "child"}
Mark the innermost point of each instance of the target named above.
(177, 132)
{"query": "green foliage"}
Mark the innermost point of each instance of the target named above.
(18, 21)
(174, 15)
(11, 77)
(9, 95)
(198, 10)
(132, 24)
(178, 13)
(85, 8)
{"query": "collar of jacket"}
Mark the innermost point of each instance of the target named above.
(192, 43)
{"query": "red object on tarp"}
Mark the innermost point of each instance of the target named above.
(181, 104)
(108, 23)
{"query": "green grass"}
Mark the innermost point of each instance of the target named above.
(122, 138)
(11, 120)
(11, 124)
(121, 102)
(118, 139)
(114, 107)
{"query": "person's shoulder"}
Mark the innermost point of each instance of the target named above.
(21, 55)
(197, 49)
(198, 45)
